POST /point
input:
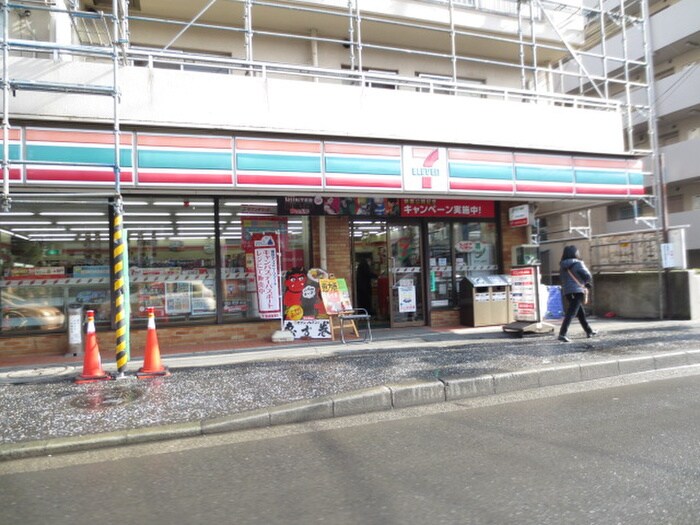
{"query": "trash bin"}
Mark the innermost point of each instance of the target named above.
(484, 300)
(75, 330)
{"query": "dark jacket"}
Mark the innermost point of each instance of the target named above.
(578, 268)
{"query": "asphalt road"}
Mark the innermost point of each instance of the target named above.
(618, 455)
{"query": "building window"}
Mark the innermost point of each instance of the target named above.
(52, 256)
(172, 261)
(241, 223)
(59, 255)
(675, 203)
(374, 82)
(457, 250)
(620, 212)
(443, 85)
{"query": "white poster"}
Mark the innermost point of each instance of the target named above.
(407, 299)
(177, 298)
(267, 275)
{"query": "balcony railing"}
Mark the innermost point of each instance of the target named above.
(501, 7)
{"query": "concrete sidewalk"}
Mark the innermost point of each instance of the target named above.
(233, 390)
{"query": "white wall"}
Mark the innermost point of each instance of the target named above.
(231, 102)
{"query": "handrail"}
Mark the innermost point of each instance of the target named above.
(264, 69)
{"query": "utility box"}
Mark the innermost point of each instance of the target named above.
(485, 301)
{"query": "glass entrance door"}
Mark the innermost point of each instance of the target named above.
(371, 269)
(407, 303)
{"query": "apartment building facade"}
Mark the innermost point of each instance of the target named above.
(398, 131)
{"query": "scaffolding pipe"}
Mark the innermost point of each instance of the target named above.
(628, 91)
(115, 101)
(358, 21)
(521, 45)
(571, 50)
(5, 199)
(657, 166)
(123, 39)
(248, 21)
(351, 36)
(187, 26)
(453, 43)
(603, 49)
(533, 36)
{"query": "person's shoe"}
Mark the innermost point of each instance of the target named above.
(592, 333)
(564, 339)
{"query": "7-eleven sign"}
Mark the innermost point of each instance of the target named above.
(425, 169)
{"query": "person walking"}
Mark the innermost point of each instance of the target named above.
(575, 283)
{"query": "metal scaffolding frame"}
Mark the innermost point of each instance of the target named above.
(540, 82)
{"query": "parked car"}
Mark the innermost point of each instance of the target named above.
(32, 318)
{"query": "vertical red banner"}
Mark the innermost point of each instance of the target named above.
(267, 282)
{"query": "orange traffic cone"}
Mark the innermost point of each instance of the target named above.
(92, 363)
(152, 367)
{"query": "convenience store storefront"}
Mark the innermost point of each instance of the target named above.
(192, 203)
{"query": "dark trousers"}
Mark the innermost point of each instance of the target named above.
(575, 308)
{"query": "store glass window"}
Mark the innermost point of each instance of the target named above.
(242, 222)
(171, 258)
(475, 249)
(440, 283)
(52, 255)
(457, 250)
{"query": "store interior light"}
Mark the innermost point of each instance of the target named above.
(150, 228)
(7, 232)
(135, 203)
(147, 214)
(250, 203)
(16, 214)
(71, 214)
(145, 223)
(37, 236)
(89, 229)
(23, 223)
(186, 204)
(40, 229)
(84, 223)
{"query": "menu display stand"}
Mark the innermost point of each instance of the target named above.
(525, 293)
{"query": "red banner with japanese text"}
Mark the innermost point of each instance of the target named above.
(448, 208)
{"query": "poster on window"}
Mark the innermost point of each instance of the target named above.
(265, 247)
(407, 299)
(178, 297)
(235, 296)
(150, 295)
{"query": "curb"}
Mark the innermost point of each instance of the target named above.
(373, 399)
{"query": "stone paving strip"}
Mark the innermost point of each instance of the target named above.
(389, 397)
